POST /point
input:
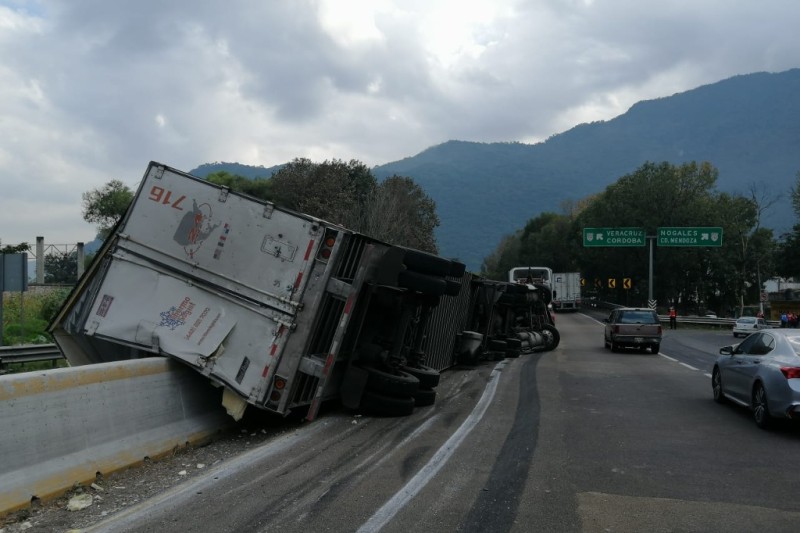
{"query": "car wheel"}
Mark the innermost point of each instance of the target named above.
(614, 346)
(716, 386)
(735, 335)
(760, 409)
(655, 348)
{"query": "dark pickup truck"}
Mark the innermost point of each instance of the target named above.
(633, 327)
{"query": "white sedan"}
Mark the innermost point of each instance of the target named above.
(746, 325)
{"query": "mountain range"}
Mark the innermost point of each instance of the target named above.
(747, 126)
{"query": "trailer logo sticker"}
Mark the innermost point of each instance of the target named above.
(176, 316)
(195, 227)
(105, 305)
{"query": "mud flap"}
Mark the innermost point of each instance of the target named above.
(352, 388)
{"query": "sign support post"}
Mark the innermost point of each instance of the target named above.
(651, 241)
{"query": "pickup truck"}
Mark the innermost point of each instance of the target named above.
(633, 327)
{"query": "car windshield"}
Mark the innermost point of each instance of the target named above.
(638, 317)
(747, 320)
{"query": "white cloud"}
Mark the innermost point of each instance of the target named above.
(92, 90)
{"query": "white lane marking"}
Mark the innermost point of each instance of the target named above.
(383, 515)
(690, 367)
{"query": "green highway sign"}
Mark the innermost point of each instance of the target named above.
(689, 236)
(593, 237)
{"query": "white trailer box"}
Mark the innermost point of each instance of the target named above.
(566, 291)
(255, 297)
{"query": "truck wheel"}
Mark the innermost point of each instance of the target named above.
(397, 383)
(553, 337)
(378, 404)
(513, 347)
(453, 287)
(467, 359)
(457, 269)
(426, 263)
(427, 376)
(421, 282)
(424, 397)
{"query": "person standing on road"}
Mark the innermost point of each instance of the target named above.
(673, 318)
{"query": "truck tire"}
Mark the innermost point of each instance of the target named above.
(453, 287)
(424, 397)
(427, 376)
(381, 405)
(421, 283)
(396, 383)
(513, 348)
(426, 263)
(498, 349)
(513, 299)
(553, 337)
(457, 269)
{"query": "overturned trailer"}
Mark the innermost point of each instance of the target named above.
(280, 309)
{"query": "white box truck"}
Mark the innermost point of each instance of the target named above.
(566, 291)
(282, 310)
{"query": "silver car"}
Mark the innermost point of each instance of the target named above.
(746, 325)
(762, 373)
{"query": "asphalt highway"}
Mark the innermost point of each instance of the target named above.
(577, 439)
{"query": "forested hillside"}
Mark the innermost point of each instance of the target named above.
(748, 127)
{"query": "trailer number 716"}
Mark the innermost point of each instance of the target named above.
(164, 196)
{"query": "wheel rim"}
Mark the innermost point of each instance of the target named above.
(549, 339)
(716, 383)
(760, 404)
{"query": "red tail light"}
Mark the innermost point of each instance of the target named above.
(791, 372)
(328, 241)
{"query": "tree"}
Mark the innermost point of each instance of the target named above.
(503, 258)
(399, 212)
(260, 188)
(787, 260)
(106, 205)
(333, 190)
(61, 267)
(15, 248)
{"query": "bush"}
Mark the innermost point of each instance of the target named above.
(26, 316)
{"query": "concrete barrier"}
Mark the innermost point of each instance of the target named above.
(62, 426)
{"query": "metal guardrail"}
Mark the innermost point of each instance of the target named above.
(598, 306)
(29, 353)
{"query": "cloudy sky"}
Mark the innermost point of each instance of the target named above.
(92, 90)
